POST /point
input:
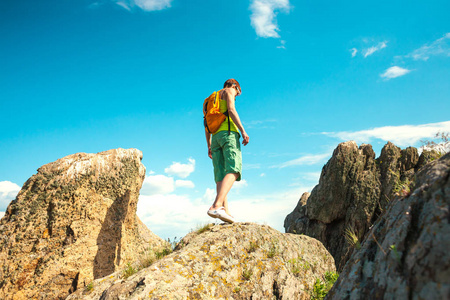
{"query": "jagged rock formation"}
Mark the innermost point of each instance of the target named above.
(75, 220)
(353, 190)
(406, 253)
(238, 261)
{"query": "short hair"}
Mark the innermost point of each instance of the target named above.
(231, 82)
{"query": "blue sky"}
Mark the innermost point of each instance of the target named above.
(88, 76)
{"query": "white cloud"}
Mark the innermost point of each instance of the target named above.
(440, 46)
(173, 215)
(209, 196)
(271, 209)
(394, 72)
(8, 192)
(240, 184)
(404, 135)
(311, 159)
(374, 49)
(263, 17)
(354, 51)
(157, 185)
(181, 170)
(184, 184)
(147, 5)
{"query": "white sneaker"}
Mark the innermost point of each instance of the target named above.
(221, 214)
(213, 213)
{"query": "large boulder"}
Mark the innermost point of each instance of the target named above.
(73, 221)
(353, 190)
(237, 261)
(406, 253)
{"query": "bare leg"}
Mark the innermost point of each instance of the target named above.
(223, 187)
(225, 201)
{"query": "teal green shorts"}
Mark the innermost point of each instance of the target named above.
(226, 154)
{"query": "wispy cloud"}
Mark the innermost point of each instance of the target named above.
(283, 45)
(251, 166)
(354, 51)
(404, 135)
(124, 5)
(263, 17)
(95, 5)
(373, 49)
(440, 46)
(8, 192)
(181, 170)
(147, 5)
(260, 124)
(310, 159)
(394, 72)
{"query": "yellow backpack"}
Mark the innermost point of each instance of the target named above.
(212, 117)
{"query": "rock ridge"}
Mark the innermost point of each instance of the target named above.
(405, 255)
(233, 261)
(353, 191)
(73, 221)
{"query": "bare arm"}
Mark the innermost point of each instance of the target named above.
(208, 142)
(229, 97)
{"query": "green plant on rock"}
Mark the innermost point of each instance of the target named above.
(89, 287)
(273, 249)
(298, 264)
(173, 244)
(395, 252)
(164, 252)
(203, 228)
(352, 238)
(253, 245)
(402, 187)
(321, 288)
(147, 259)
(128, 271)
(247, 273)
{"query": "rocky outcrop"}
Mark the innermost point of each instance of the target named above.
(353, 190)
(238, 261)
(72, 222)
(406, 253)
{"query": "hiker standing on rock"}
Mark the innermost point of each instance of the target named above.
(222, 126)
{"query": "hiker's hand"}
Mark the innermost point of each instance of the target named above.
(245, 138)
(209, 152)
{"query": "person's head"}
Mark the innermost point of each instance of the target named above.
(232, 83)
